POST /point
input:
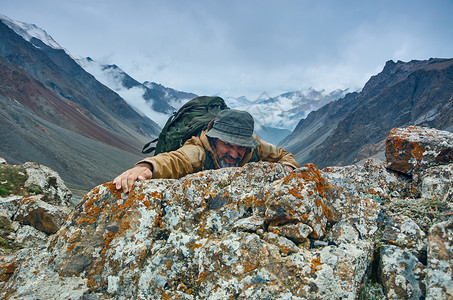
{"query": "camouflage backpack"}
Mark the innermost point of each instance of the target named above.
(192, 118)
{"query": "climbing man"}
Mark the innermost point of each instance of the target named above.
(228, 141)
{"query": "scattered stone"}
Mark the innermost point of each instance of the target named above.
(436, 182)
(412, 149)
(29, 237)
(205, 235)
(51, 184)
(402, 273)
(41, 215)
(29, 218)
(9, 205)
(372, 179)
(402, 231)
(440, 261)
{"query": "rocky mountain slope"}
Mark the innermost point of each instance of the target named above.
(55, 113)
(403, 94)
(367, 231)
(148, 98)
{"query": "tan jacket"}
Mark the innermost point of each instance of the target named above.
(190, 158)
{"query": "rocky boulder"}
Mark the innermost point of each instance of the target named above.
(412, 149)
(52, 186)
(33, 205)
(254, 232)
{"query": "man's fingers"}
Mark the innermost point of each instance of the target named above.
(126, 180)
(146, 174)
(289, 168)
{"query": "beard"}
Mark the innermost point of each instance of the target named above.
(224, 164)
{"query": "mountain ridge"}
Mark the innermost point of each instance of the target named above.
(412, 93)
(50, 117)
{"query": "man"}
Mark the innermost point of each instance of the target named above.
(227, 142)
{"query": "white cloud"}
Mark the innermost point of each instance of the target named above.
(245, 48)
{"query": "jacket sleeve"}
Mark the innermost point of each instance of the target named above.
(271, 153)
(176, 164)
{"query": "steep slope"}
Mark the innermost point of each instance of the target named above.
(412, 93)
(55, 113)
(62, 75)
(36, 125)
(151, 99)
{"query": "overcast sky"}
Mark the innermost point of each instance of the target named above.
(240, 47)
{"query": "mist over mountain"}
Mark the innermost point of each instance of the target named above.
(148, 98)
(353, 127)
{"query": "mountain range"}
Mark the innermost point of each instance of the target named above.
(276, 117)
(53, 109)
(89, 121)
(354, 127)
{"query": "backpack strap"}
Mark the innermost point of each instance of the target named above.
(255, 157)
(209, 161)
(150, 149)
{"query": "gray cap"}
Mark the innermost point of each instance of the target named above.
(234, 127)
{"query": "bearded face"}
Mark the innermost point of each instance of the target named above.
(223, 162)
(229, 155)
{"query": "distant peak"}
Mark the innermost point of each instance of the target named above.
(29, 31)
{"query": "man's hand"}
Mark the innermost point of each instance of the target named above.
(289, 168)
(126, 180)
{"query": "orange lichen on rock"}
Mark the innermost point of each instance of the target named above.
(186, 184)
(157, 222)
(316, 264)
(250, 265)
(6, 270)
(118, 211)
(194, 245)
(295, 193)
(28, 200)
(327, 212)
(313, 174)
(156, 195)
(290, 176)
(91, 283)
(373, 191)
(70, 247)
(248, 200)
(89, 215)
(108, 238)
(417, 152)
(202, 275)
(398, 144)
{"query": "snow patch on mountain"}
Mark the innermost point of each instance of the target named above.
(113, 78)
(286, 110)
(171, 100)
(29, 31)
